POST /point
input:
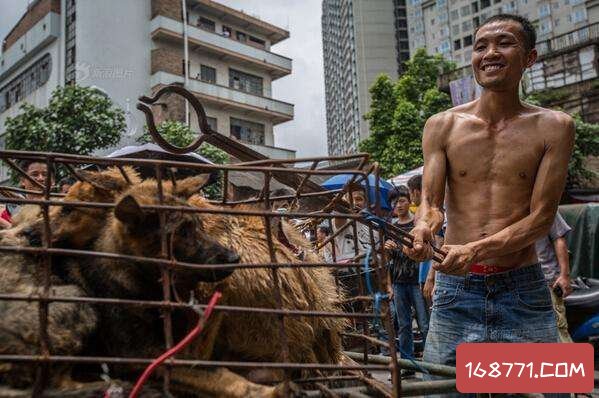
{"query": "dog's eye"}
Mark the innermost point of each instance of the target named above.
(67, 210)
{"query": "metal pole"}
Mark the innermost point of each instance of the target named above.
(185, 58)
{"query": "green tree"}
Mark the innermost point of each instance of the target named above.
(180, 135)
(77, 120)
(399, 110)
(586, 143)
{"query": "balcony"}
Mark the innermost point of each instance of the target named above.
(166, 28)
(226, 97)
(28, 45)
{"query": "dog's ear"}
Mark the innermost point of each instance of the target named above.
(187, 187)
(110, 180)
(101, 181)
(129, 212)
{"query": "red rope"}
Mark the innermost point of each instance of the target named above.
(182, 344)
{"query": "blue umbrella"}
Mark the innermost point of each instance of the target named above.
(338, 181)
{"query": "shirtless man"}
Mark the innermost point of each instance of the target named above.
(505, 165)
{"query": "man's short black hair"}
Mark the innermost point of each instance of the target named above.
(528, 30)
(415, 182)
(403, 193)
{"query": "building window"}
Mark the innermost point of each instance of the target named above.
(455, 30)
(206, 24)
(257, 42)
(211, 122)
(474, 7)
(226, 31)
(455, 14)
(579, 15)
(432, 21)
(245, 82)
(443, 17)
(545, 27)
(485, 3)
(544, 10)
(444, 47)
(466, 26)
(465, 11)
(26, 83)
(476, 22)
(242, 37)
(207, 74)
(246, 131)
(468, 41)
(457, 45)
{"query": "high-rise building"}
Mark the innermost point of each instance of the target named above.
(130, 48)
(567, 47)
(361, 40)
(446, 26)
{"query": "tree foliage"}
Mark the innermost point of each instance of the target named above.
(181, 135)
(77, 120)
(586, 144)
(399, 110)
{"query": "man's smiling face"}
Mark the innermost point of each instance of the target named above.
(499, 55)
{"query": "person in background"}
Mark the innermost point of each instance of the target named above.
(322, 233)
(552, 253)
(38, 172)
(425, 273)
(405, 292)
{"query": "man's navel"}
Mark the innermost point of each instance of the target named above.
(463, 173)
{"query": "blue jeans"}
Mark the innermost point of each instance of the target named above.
(406, 296)
(513, 306)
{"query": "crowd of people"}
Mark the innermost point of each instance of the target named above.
(412, 283)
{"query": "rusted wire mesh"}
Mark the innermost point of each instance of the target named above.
(305, 202)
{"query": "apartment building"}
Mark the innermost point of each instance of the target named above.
(130, 48)
(446, 26)
(361, 40)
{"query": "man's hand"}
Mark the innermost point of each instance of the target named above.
(563, 281)
(457, 261)
(422, 249)
(390, 245)
(429, 289)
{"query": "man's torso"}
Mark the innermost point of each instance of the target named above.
(491, 174)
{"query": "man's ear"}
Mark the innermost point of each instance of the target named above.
(531, 58)
(128, 211)
(189, 186)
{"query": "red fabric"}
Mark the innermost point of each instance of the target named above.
(6, 215)
(484, 269)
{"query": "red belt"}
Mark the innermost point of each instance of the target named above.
(485, 269)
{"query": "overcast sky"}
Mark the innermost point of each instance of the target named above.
(306, 133)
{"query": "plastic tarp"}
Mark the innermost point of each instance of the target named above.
(583, 240)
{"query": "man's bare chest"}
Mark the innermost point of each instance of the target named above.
(510, 155)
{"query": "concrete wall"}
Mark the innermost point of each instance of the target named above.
(113, 52)
(376, 53)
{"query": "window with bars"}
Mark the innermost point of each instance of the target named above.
(245, 82)
(246, 131)
(207, 74)
(206, 24)
(27, 82)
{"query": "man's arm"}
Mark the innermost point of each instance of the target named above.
(430, 216)
(549, 184)
(563, 280)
